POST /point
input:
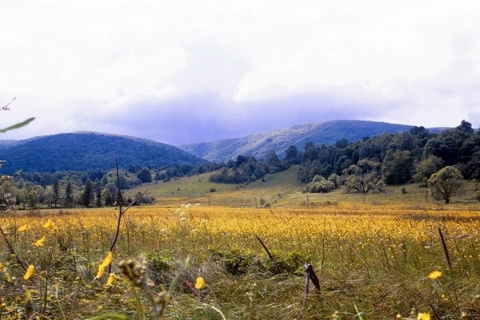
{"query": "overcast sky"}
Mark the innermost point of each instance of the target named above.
(187, 71)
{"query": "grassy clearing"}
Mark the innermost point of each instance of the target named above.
(198, 189)
(282, 190)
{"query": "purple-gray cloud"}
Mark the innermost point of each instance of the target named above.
(202, 118)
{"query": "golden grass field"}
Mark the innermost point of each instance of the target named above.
(373, 260)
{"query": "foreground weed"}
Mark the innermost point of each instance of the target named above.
(310, 275)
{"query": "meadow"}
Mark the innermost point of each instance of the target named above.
(375, 257)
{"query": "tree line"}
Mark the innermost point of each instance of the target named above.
(68, 189)
(413, 156)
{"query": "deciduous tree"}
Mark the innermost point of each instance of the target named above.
(426, 168)
(446, 183)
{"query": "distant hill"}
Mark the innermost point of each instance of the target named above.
(279, 140)
(8, 143)
(88, 151)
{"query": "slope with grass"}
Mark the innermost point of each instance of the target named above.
(282, 190)
(198, 189)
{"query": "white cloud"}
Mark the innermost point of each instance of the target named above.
(357, 44)
(68, 62)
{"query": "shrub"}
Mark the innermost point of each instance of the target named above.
(320, 185)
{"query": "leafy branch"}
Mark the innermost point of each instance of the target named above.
(18, 125)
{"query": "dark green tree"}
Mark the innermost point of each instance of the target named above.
(292, 155)
(107, 197)
(145, 175)
(273, 161)
(397, 167)
(56, 192)
(450, 144)
(311, 151)
(68, 198)
(87, 194)
(98, 200)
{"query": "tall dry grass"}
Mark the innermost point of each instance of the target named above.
(372, 262)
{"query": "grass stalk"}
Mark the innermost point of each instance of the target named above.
(445, 248)
(265, 248)
(219, 312)
(45, 293)
(12, 251)
(359, 314)
(121, 211)
(449, 262)
(9, 245)
(109, 316)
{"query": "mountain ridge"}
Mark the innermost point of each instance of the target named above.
(85, 150)
(258, 144)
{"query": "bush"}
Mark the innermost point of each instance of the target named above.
(320, 185)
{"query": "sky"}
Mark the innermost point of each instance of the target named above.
(189, 71)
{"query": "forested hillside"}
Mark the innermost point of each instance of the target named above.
(440, 161)
(89, 151)
(373, 163)
(260, 144)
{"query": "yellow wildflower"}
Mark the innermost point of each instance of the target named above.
(435, 274)
(106, 262)
(23, 228)
(423, 316)
(200, 283)
(111, 279)
(29, 273)
(40, 242)
(49, 224)
(108, 259)
(101, 272)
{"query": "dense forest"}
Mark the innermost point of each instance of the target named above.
(361, 166)
(396, 158)
(85, 151)
(402, 157)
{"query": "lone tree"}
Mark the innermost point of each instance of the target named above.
(445, 183)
